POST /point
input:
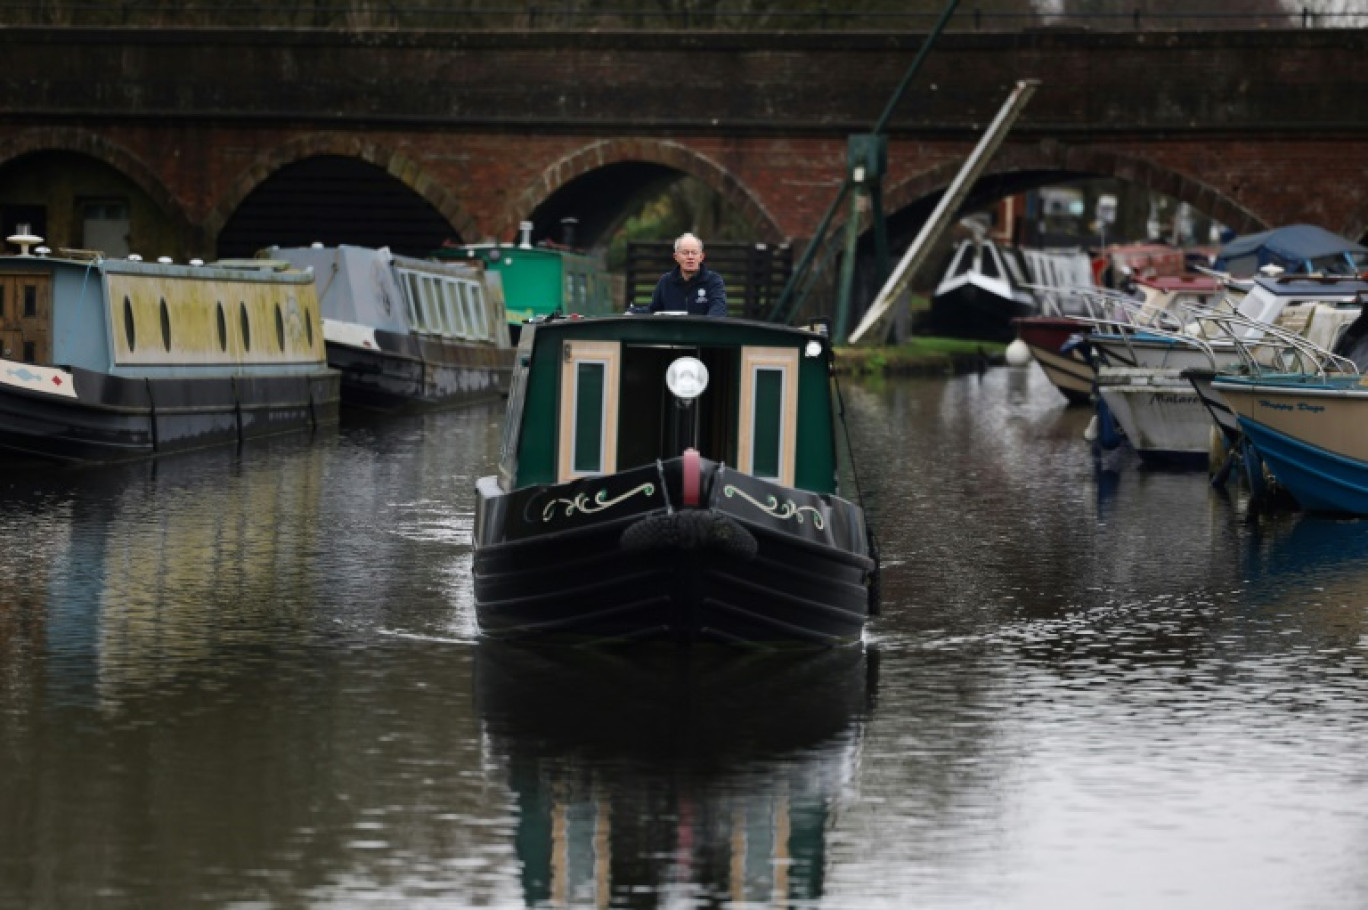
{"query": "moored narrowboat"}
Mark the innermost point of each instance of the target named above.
(405, 333)
(540, 280)
(114, 359)
(671, 478)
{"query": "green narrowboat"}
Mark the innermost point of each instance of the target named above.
(542, 280)
(671, 477)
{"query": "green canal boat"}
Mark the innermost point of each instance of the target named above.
(671, 477)
(547, 279)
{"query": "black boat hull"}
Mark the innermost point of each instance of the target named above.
(624, 557)
(973, 312)
(113, 418)
(410, 373)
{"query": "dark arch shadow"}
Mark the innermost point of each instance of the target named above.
(622, 170)
(120, 159)
(401, 170)
(333, 199)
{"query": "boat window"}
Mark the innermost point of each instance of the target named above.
(588, 409)
(280, 327)
(415, 317)
(308, 326)
(432, 306)
(129, 334)
(165, 325)
(452, 300)
(30, 352)
(222, 328)
(432, 311)
(246, 325)
(769, 413)
(479, 313)
(964, 260)
(989, 266)
(30, 300)
(2, 301)
(471, 308)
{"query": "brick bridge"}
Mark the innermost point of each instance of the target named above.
(226, 140)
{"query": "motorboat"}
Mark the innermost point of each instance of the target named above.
(1306, 419)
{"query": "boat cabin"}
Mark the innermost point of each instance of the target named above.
(599, 396)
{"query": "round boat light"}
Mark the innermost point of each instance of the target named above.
(687, 377)
(813, 349)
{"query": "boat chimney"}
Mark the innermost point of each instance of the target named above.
(568, 232)
(525, 234)
(24, 238)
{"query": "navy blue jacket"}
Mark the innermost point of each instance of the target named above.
(703, 295)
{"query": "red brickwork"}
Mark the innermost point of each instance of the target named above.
(1255, 129)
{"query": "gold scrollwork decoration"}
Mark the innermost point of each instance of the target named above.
(784, 510)
(582, 502)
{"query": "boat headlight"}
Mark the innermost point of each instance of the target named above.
(813, 349)
(687, 377)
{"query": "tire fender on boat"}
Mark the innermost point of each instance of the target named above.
(690, 529)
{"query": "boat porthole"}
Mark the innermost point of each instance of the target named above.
(280, 328)
(308, 326)
(222, 328)
(165, 325)
(246, 326)
(128, 324)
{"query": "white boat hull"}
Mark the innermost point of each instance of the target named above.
(1160, 414)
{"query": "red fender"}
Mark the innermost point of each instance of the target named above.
(693, 476)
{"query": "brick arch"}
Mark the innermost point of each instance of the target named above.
(1099, 162)
(656, 151)
(121, 159)
(404, 169)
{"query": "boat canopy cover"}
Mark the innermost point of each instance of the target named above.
(1298, 248)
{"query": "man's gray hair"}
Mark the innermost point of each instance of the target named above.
(687, 236)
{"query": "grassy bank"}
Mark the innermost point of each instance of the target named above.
(920, 355)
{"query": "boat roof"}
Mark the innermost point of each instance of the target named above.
(267, 270)
(671, 328)
(1290, 246)
(1179, 282)
(1311, 285)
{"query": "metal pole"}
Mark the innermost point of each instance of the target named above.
(786, 297)
(950, 201)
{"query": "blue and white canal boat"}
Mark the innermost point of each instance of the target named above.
(114, 359)
(408, 334)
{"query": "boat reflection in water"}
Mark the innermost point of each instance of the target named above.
(670, 772)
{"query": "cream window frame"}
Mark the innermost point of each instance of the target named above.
(608, 353)
(785, 360)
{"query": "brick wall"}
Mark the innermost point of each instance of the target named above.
(1257, 128)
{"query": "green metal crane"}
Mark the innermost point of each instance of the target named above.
(866, 164)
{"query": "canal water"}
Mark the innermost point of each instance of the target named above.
(254, 680)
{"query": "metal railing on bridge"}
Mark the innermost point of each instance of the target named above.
(410, 15)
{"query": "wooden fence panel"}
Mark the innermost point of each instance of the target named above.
(755, 273)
